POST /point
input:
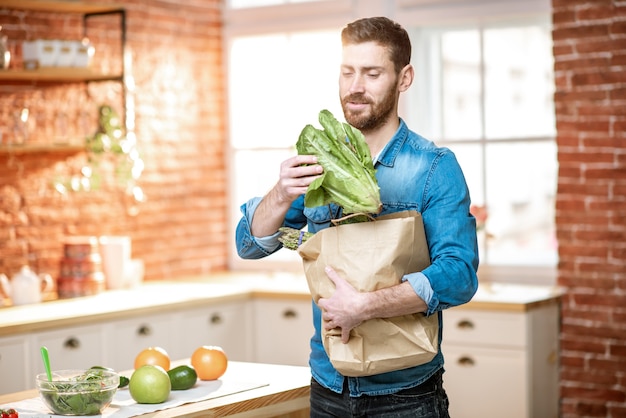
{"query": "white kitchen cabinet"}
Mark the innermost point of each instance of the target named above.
(99, 330)
(124, 339)
(224, 324)
(282, 330)
(502, 362)
(69, 348)
(14, 364)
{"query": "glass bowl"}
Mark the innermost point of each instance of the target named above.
(78, 392)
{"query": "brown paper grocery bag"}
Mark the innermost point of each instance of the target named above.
(370, 256)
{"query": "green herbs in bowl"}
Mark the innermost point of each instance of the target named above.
(78, 392)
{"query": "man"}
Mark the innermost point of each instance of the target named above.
(413, 174)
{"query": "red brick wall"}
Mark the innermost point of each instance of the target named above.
(590, 64)
(177, 64)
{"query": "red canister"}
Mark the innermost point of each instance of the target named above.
(81, 268)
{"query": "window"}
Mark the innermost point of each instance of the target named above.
(486, 93)
(278, 83)
(483, 88)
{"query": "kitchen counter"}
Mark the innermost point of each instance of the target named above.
(513, 297)
(271, 313)
(285, 393)
(152, 297)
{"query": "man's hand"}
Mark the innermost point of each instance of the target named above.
(343, 309)
(296, 174)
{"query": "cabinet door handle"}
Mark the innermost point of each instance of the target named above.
(71, 343)
(144, 331)
(465, 324)
(466, 361)
(290, 314)
(215, 319)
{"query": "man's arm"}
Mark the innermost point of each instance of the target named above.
(347, 308)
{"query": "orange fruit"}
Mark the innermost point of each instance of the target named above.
(154, 356)
(209, 361)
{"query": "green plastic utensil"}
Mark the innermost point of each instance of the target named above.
(46, 362)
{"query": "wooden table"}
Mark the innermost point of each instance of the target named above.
(286, 395)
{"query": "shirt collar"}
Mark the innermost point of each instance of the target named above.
(389, 153)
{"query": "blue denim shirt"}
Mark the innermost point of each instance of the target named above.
(413, 174)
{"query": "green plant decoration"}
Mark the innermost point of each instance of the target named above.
(113, 160)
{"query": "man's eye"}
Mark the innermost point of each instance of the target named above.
(373, 75)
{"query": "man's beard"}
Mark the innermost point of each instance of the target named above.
(369, 121)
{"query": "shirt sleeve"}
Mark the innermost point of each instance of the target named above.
(421, 285)
(268, 243)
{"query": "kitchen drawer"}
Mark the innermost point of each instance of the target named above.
(283, 329)
(69, 348)
(484, 382)
(484, 327)
(226, 325)
(127, 338)
(15, 373)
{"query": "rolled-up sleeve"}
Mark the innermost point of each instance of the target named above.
(420, 284)
(249, 246)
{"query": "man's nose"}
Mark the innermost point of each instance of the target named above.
(357, 85)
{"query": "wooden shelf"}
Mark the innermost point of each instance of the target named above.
(57, 74)
(41, 148)
(60, 74)
(59, 6)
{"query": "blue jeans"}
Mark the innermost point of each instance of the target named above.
(428, 400)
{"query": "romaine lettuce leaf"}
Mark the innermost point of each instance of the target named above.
(349, 178)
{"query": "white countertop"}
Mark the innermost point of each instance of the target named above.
(514, 293)
(150, 297)
(245, 390)
(153, 296)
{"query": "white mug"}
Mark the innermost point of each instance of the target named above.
(115, 252)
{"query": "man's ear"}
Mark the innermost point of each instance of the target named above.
(406, 78)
